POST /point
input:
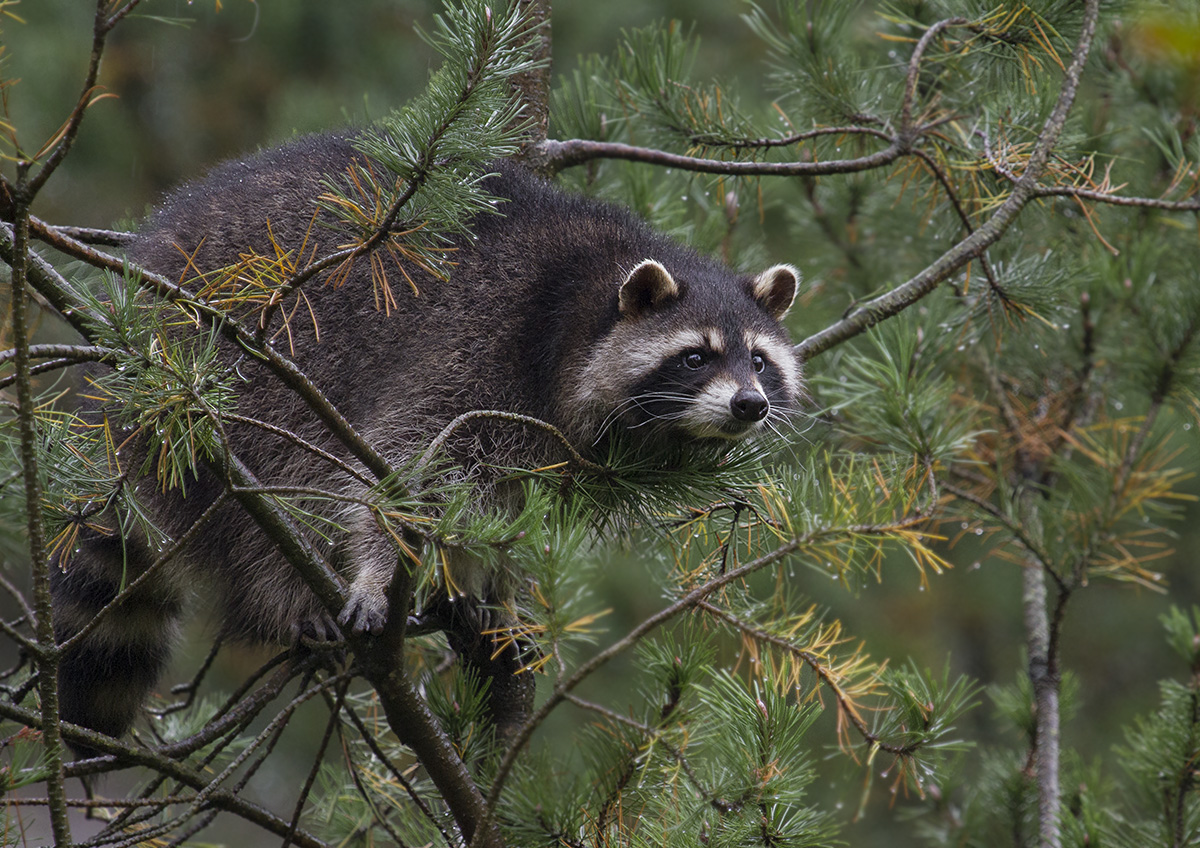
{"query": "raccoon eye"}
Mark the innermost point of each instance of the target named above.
(759, 363)
(693, 359)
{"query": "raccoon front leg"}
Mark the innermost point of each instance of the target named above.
(371, 557)
(366, 608)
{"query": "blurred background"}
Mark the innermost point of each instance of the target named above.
(191, 85)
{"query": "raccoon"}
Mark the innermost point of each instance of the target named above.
(559, 308)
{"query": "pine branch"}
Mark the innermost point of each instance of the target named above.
(869, 314)
(914, 68)
(846, 706)
(691, 600)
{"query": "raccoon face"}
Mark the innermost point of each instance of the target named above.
(712, 384)
(698, 360)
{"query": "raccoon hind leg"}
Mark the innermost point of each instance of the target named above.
(105, 677)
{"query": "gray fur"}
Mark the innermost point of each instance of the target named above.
(562, 309)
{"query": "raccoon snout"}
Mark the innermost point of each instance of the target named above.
(749, 405)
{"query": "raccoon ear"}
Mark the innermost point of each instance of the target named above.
(647, 287)
(775, 289)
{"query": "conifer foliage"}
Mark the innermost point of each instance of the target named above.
(995, 208)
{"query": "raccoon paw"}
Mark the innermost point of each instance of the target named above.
(365, 612)
(322, 628)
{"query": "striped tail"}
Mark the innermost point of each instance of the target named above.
(105, 677)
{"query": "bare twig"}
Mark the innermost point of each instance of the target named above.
(300, 442)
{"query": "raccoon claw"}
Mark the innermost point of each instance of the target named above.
(364, 614)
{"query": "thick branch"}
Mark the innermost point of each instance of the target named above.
(382, 661)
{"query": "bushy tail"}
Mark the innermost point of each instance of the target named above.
(104, 678)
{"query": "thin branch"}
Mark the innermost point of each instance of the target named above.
(72, 353)
(17, 596)
(41, 368)
(501, 415)
(914, 67)
(368, 798)
(1018, 530)
(368, 737)
(1096, 195)
(277, 723)
(27, 644)
(942, 177)
(807, 135)
(101, 803)
(91, 235)
(330, 726)
(67, 135)
(300, 442)
(566, 154)
(238, 710)
(132, 586)
(1119, 200)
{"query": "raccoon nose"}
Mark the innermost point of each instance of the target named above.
(749, 405)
